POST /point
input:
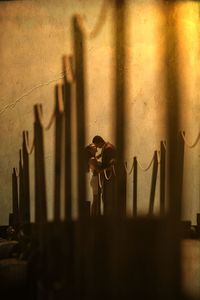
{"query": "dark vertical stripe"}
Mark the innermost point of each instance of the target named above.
(153, 183)
(172, 268)
(58, 152)
(162, 177)
(40, 184)
(15, 207)
(79, 53)
(135, 185)
(21, 189)
(68, 144)
(120, 96)
(26, 181)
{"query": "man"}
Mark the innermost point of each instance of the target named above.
(108, 157)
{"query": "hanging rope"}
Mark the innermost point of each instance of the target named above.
(28, 148)
(113, 167)
(100, 182)
(17, 172)
(69, 73)
(105, 174)
(148, 167)
(131, 170)
(49, 124)
(91, 34)
(187, 143)
(158, 156)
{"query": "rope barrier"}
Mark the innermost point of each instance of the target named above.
(69, 73)
(49, 124)
(148, 167)
(187, 143)
(28, 148)
(100, 182)
(99, 23)
(126, 168)
(113, 167)
(107, 178)
(158, 156)
(17, 172)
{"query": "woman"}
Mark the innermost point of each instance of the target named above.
(93, 165)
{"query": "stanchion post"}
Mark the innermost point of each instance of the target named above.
(80, 69)
(120, 97)
(153, 184)
(67, 94)
(26, 180)
(162, 177)
(21, 189)
(15, 206)
(40, 183)
(135, 185)
(58, 160)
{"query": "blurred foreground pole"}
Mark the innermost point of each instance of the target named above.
(120, 101)
(174, 184)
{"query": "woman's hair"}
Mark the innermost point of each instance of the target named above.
(88, 155)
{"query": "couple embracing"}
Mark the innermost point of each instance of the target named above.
(98, 164)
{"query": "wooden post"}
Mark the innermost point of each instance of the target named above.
(120, 96)
(153, 183)
(180, 163)
(171, 268)
(40, 184)
(135, 184)
(15, 207)
(68, 143)
(80, 69)
(58, 160)
(162, 177)
(26, 180)
(21, 189)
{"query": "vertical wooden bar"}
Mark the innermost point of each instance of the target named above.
(58, 160)
(120, 96)
(162, 177)
(68, 141)
(180, 167)
(21, 189)
(40, 184)
(26, 181)
(80, 69)
(15, 207)
(153, 184)
(135, 184)
(172, 267)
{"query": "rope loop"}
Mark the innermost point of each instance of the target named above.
(68, 72)
(105, 174)
(28, 148)
(158, 156)
(41, 120)
(126, 168)
(16, 172)
(99, 23)
(148, 167)
(114, 172)
(100, 181)
(187, 143)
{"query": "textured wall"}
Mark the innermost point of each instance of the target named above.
(34, 35)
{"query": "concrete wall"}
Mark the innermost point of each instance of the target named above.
(34, 35)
